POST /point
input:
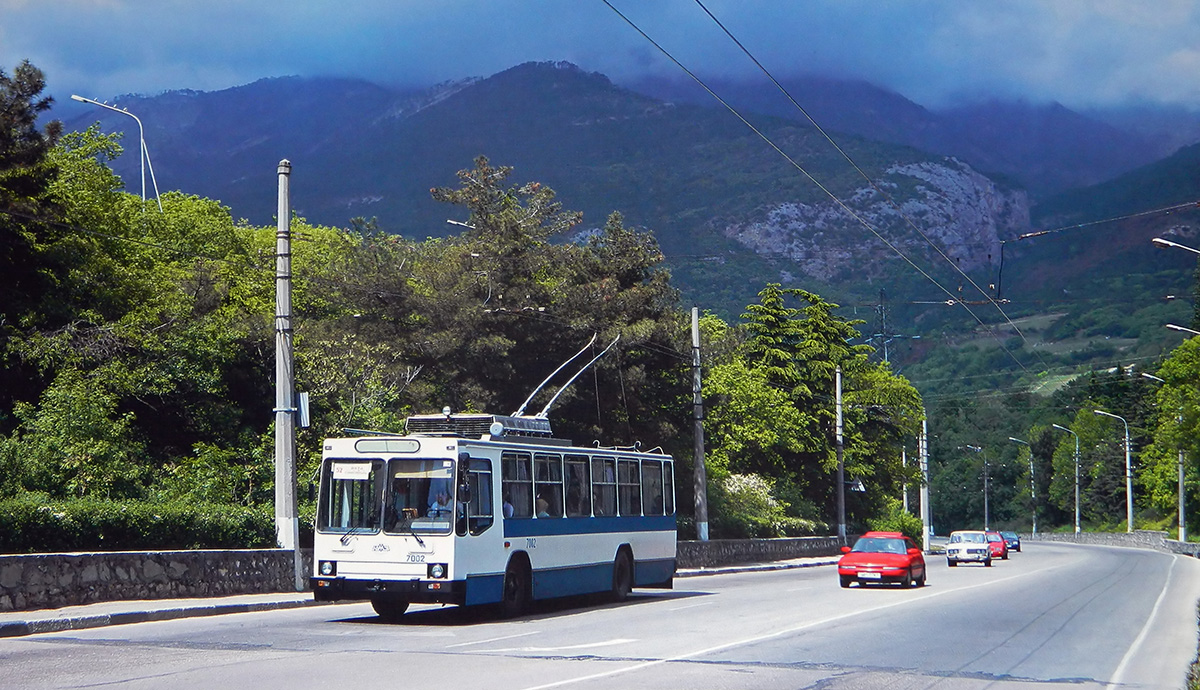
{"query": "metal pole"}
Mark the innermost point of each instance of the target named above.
(699, 474)
(1077, 483)
(986, 523)
(904, 486)
(1128, 482)
(1032, 493)
(841, 465)
(144, 152)
(287, 524)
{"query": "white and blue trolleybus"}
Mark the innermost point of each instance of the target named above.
(485, 509)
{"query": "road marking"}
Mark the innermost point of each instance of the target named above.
(493, 639)
(1118, 675)
(798, 589)
(691, 606)
(926, 594)
(589, 645)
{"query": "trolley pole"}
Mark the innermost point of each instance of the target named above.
(700, 476)
(287, 524)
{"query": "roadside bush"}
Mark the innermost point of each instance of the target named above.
(744, 507)
(896, 519)
(30, 525)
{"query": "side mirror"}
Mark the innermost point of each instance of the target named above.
(914, 552)
(845, 549)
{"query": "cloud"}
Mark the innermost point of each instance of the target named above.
(1078, 52)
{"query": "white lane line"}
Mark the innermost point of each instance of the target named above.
(1118, 677)
(780, 633)
(493, 639)
(798, 589)
(692, 606)
(588, 645)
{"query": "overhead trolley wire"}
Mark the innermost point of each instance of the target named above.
(865, 176)
(849, 211)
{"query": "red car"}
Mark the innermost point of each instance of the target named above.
(997, 545)
(879, 557)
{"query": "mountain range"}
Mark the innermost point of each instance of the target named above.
(734, 203)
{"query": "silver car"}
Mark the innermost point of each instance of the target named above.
(968, 546)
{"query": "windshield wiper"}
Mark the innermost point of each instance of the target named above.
(345, 538)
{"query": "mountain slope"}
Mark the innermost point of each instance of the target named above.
(703, 181)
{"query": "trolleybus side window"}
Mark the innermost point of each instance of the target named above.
(548, 485)
(479, 510)
(669, 487)
(629, 488)
(604, 486)
(652, 487)
(579, 495)
(352, 496)
(516, 483)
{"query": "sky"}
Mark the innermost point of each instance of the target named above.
(1081, 53)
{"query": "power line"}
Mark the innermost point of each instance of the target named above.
(849, 211)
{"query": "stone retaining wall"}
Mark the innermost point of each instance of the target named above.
(718, 552)
(43, 581)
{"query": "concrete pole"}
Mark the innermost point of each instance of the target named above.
(904, 485)
(926, 527)
(841, 465)
(287, 524)
(699, 475)
(1182, 519)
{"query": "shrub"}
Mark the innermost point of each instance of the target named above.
(896, 519)
(31, 525)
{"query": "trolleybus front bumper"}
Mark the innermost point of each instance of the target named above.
(413, 591)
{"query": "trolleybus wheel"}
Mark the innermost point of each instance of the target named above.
(515, 599)
(622, 582)
(389, 610)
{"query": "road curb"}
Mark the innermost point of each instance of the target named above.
(761, 567)
(59, 624)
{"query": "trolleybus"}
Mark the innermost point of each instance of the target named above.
(483, 509)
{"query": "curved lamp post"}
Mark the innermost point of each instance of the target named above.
(1128, 471)
(1063, 428)
(1032, 485)
(145, 153)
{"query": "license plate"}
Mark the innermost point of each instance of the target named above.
(870, 576)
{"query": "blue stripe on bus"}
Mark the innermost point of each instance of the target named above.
(537, 527)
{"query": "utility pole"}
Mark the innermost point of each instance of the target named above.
(699, 474)
(904, 484)
(926, 527)
(841, 465)
(287, 524)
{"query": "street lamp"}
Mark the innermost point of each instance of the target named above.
(1032, 485)
(1164, 244)
(1063, 428)
(1179, 467)
(145, 153)
(1182, 329)
(1128, 471)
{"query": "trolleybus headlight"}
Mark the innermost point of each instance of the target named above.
(437, 571)
(328, 568)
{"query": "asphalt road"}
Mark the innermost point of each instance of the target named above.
(1054, 616)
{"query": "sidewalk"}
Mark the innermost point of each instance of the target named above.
(21, 623)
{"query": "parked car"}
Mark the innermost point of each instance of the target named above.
(998, 546)
(968, 546)
(1012, 539)
(879, 557)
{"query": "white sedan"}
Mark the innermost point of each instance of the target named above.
(967, 546)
